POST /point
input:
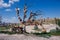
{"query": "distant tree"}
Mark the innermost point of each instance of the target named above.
(0, 19)
(57, 21)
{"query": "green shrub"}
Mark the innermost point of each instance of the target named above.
(55, 32)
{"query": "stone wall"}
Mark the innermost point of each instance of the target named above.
(48, 27)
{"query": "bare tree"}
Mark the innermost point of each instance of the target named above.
(17, 11)
(25, 11)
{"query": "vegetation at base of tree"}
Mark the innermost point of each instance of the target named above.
(46, 35)
(9, 32)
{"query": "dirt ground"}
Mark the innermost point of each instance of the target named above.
(26, 37)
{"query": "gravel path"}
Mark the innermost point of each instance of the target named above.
(25, 37)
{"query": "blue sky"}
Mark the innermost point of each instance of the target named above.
(49, 8)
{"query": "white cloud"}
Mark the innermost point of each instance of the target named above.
(10, 2)
(10, 20)
(16, 0)
(6, 5)
(8, 10)
(3, 4)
